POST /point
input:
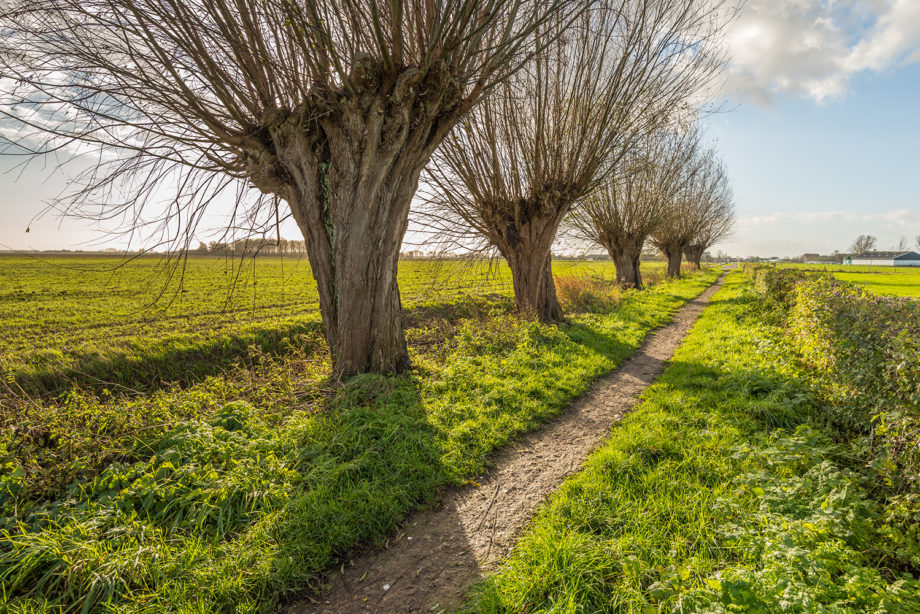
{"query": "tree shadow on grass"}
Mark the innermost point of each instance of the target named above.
(387, 462)
(145, 365)
(609, 346)
(327, 483)
(161, 363)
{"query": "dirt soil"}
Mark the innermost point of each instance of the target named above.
(439, 553)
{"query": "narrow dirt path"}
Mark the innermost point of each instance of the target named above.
(439, 553)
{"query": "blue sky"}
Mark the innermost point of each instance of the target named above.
(820, 134)
(822, 142)
(809, 176)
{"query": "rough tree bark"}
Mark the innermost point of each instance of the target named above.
(526, 245)
(545, 141)
(673, 253)
(534, 287)
(625, 256)
(694, 254)
(349, 174)
(332, 106)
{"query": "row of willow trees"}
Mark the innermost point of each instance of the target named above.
(523, 115)
(666, 189)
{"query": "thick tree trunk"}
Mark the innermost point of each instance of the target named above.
(355, 265)
(534, 287)
(694, 254)
(673, 255)
(626, 261)
(526, 246)
(348, 168)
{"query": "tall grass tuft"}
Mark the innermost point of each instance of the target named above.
(587, 293)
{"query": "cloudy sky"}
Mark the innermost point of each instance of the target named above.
(820, 131)
(822, 127)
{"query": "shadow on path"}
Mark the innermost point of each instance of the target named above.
(438, 553)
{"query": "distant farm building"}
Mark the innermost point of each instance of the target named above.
(888, 259)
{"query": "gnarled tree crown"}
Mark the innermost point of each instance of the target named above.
(208, 88)
(636, 198)
(638, 193)
(554, 131)
(701, 212)
(331, 106)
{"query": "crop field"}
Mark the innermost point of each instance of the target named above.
(59, 302)
(221, 470)
(889, 281)
(85, 317)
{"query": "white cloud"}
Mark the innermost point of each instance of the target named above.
(895, 217)
(812, 48)
(894, 38)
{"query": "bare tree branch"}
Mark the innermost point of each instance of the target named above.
(636, 199)
(332, 107)
(555, 131)
(701, 213)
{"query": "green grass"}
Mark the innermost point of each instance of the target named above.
(723, 491)
(890, 281)
(93, 318)
(234, 490)
(66, 300)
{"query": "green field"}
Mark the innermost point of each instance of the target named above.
(889, 281)
(86, 319)
(205, 462)
(63, 302)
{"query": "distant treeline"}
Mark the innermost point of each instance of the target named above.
(251, 246)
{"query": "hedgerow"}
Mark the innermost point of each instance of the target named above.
(863, 351)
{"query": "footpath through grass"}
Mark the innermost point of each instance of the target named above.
(727, 490)
(232, 493)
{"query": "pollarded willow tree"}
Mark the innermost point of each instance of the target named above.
(716, 216)
(635, 200)
(701, 209)
(548, 136)
(330, 107)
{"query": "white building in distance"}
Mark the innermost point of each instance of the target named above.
(887, 259)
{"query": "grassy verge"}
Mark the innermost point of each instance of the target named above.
(725, 491)
(71, 322)
(236, 497)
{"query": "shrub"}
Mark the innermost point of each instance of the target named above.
(867, 348)
(863, 352)
(775, 288)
